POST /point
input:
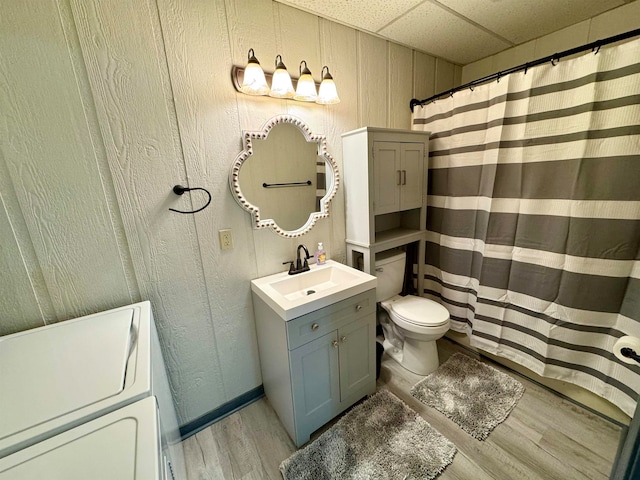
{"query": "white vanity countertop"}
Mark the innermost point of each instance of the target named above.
(291, 296)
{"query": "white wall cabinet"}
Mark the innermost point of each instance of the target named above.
(317, 365)
(385, 182)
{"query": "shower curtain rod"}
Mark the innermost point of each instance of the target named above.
(551, 58)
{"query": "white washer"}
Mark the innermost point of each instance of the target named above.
(123, 445)
(57, 377)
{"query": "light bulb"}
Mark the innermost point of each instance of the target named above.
(306, 88)
(328, 94)
(254, 82)
(281, 86)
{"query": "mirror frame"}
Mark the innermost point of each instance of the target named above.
(254, 210)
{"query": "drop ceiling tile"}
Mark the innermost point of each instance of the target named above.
(369, 15)
(434, 30)
(623, 19)
(564, 39)
(521, 20)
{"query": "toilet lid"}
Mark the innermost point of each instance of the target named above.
(420, 311)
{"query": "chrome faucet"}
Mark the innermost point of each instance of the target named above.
(300, 266)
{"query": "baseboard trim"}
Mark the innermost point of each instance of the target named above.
(221, 412)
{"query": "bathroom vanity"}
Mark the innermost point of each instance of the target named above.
(317, 350)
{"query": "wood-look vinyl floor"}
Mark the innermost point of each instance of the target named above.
(544, 437)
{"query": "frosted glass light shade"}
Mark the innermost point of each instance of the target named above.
(306, 88)
(254, 81)
(281, 86)
(328, 94)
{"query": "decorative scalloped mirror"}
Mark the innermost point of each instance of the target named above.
(284, 176)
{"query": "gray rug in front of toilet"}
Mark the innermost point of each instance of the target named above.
(382, 438)
(474, 395)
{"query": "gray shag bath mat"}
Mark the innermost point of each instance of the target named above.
(382, 438)
(474, 395)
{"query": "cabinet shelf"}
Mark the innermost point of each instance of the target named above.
(397, 237)
(391, 238)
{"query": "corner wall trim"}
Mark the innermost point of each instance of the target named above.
(221, 412)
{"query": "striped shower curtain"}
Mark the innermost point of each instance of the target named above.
(533, 217)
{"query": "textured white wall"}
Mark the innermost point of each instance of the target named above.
(105, 105)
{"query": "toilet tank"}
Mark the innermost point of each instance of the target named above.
(390, 273)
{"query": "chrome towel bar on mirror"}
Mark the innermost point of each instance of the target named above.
(288, 184)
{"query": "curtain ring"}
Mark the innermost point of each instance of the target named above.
(526, 67)
(471, 87)
(498, 77)
(596, 49)
(554, 61)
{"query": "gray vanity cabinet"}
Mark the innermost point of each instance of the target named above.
(317, 365)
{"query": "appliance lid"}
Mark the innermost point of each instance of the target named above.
(51, 371)
(420, 311)
(121, 445)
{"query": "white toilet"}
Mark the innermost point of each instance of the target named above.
(411, 324)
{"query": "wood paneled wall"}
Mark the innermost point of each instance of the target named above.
(105, 105)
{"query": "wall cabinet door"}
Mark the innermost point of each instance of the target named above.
(386, 177)
(412, 173)
(357, 358)
(315, 383)
(398, 176)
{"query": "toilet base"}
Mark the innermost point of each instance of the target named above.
(416, 356)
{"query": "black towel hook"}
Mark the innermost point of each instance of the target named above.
(179, 190)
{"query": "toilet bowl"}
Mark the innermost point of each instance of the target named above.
(411, 324)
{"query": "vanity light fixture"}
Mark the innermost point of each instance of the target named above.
(281, 86)
(254, 82)
(327, 94)
(306, 89)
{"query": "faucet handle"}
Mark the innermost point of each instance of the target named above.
(291, 267)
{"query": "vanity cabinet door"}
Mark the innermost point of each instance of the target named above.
(412, 174)
(315, 384)
(357, 358)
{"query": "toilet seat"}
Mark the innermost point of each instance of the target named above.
(419, 311)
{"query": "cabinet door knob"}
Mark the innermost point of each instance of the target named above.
(358, 308)
(404, 177)
(399, 177)
(343, 339)
(315, 326)
(335, 344)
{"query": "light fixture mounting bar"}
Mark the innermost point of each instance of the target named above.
(237, 74)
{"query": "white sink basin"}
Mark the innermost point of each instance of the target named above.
(293, 295)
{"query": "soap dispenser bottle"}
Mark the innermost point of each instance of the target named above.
(321, 255)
